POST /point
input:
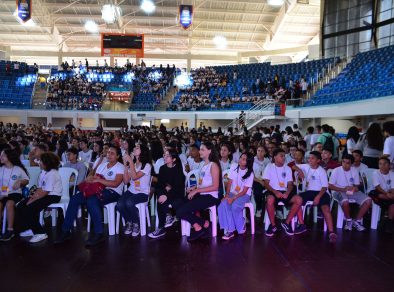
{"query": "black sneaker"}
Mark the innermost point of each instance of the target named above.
(7, 236)
(66, 235)
(95, 240)
(170, 220)
(159, 232)
(287, 228)
(301, 228)
(271, 230)
(196, 234)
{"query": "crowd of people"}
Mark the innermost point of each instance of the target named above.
(135, 164)
(199, 95)
(75, 93)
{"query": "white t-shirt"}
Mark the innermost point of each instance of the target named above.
(238, 183)
(8, 178)
(308, 139)
(388, 148)
(278, 177)
(351, 145)
(194, 165)
(341, 178)
(362, 168)
(183, 158)
(385, 181)
(259, 166)
(141, 185)
(236, 156)
(315, 179)
(85, 156)
(227, 165)
(51, 182)
(314, 138)
(110, 174)
(96, 163)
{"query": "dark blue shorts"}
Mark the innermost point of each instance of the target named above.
(311, 195)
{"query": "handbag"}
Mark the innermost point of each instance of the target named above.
(89, 189)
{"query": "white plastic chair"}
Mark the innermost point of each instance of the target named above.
(143, 211)
(185, 226)
(34, 173)
(65, 174)
(110, 215)
(368, 186)
(285, 212)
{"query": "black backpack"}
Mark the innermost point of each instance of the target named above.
(329, 144)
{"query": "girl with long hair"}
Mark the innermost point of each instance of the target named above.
(13, 179)
(205, 194)
(238, 192)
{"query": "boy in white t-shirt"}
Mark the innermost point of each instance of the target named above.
(85, 155)
(315, 186)
(344, 182)
(279, 184)
(383, 192)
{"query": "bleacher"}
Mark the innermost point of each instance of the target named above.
(368, 75)
(145, 100)
(16, 88)
(247, 75)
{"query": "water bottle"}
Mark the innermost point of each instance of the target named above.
(193, 180)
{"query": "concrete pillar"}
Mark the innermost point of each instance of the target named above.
(189, 63)
(111, 61)
(137, 60)
(192, 122)
(23, 119)
(75, 121)
(97, 119)
(49, 119)
(59, 58)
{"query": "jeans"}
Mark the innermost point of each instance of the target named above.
(28, 216)
(94, 206)
(127, 206)
(199, 202)
(231, 215)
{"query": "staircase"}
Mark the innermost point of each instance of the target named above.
(260, 112)
(169, 97)
(39, 94)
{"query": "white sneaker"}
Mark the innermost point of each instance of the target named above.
(38, 237)
(348, 225)
(129, 228)
(358, 225)
(26, 233)
(258, 213)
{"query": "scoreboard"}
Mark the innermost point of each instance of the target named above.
(122, 45)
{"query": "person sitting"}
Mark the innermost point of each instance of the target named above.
(49, 191)
(205, 194)
(345, 182)
(194, 161)
(110, 175)
(383, 192)
(137, 173)
(316, 185)
(259, 165)
(13, 179)
(238, 192)
(327, 162)
(72, 156)
(279, 184)
(170, 191)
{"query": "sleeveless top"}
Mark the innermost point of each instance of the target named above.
(205, 179)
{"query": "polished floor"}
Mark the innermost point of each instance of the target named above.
(357, 262)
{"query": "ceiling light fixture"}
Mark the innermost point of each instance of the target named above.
(148, 6)
(91, 26)
(220, 42)
(276, 2)
(110, 13)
